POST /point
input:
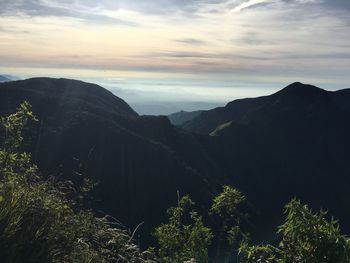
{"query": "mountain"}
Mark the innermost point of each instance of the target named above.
(181, 117)
(294, 143)
(4, 79)
(240, 110)
(139, 162)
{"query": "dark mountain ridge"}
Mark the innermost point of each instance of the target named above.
(139, 161)
(294, 143)
(72, 92)
(292, 97)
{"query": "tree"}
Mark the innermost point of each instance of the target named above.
(226, 206)
(307, 237)
(184, 237)
(39, 223)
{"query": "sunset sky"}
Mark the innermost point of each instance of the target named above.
(208, 51)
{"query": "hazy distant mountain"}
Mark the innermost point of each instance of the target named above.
(179, 118)
(167, 107)
(4, 79)
(294, 143)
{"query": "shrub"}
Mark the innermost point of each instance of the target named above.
(307, 237)
(184, 237)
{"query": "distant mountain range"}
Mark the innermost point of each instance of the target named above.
(181, 117)
(4, 79)
(294, 143)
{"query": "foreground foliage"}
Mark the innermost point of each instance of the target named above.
(227, 208)
(307, 237)
(184, 237)
(39, 223)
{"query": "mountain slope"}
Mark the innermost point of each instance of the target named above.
(294, 143)
(139, 162)
(181, 117)
(50, 94)
(239, 110)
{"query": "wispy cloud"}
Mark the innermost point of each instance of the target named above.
(249, 4)
(56, 7)
(37, 8)
(191, 41)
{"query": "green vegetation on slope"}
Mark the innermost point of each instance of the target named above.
(184, 237)
(306, 237)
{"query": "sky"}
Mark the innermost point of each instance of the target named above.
(165, 55)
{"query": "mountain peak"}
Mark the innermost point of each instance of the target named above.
(298, 86)
(301, 92)
(301, 88)
(67, 92)
(297, 83)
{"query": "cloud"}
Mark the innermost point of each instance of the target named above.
(37, 8)
(161, 6)
(65, 7)
(252, 39)
(266, 37)
(191, 41)
(250, 4)
(88, 9)
(334, 4)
